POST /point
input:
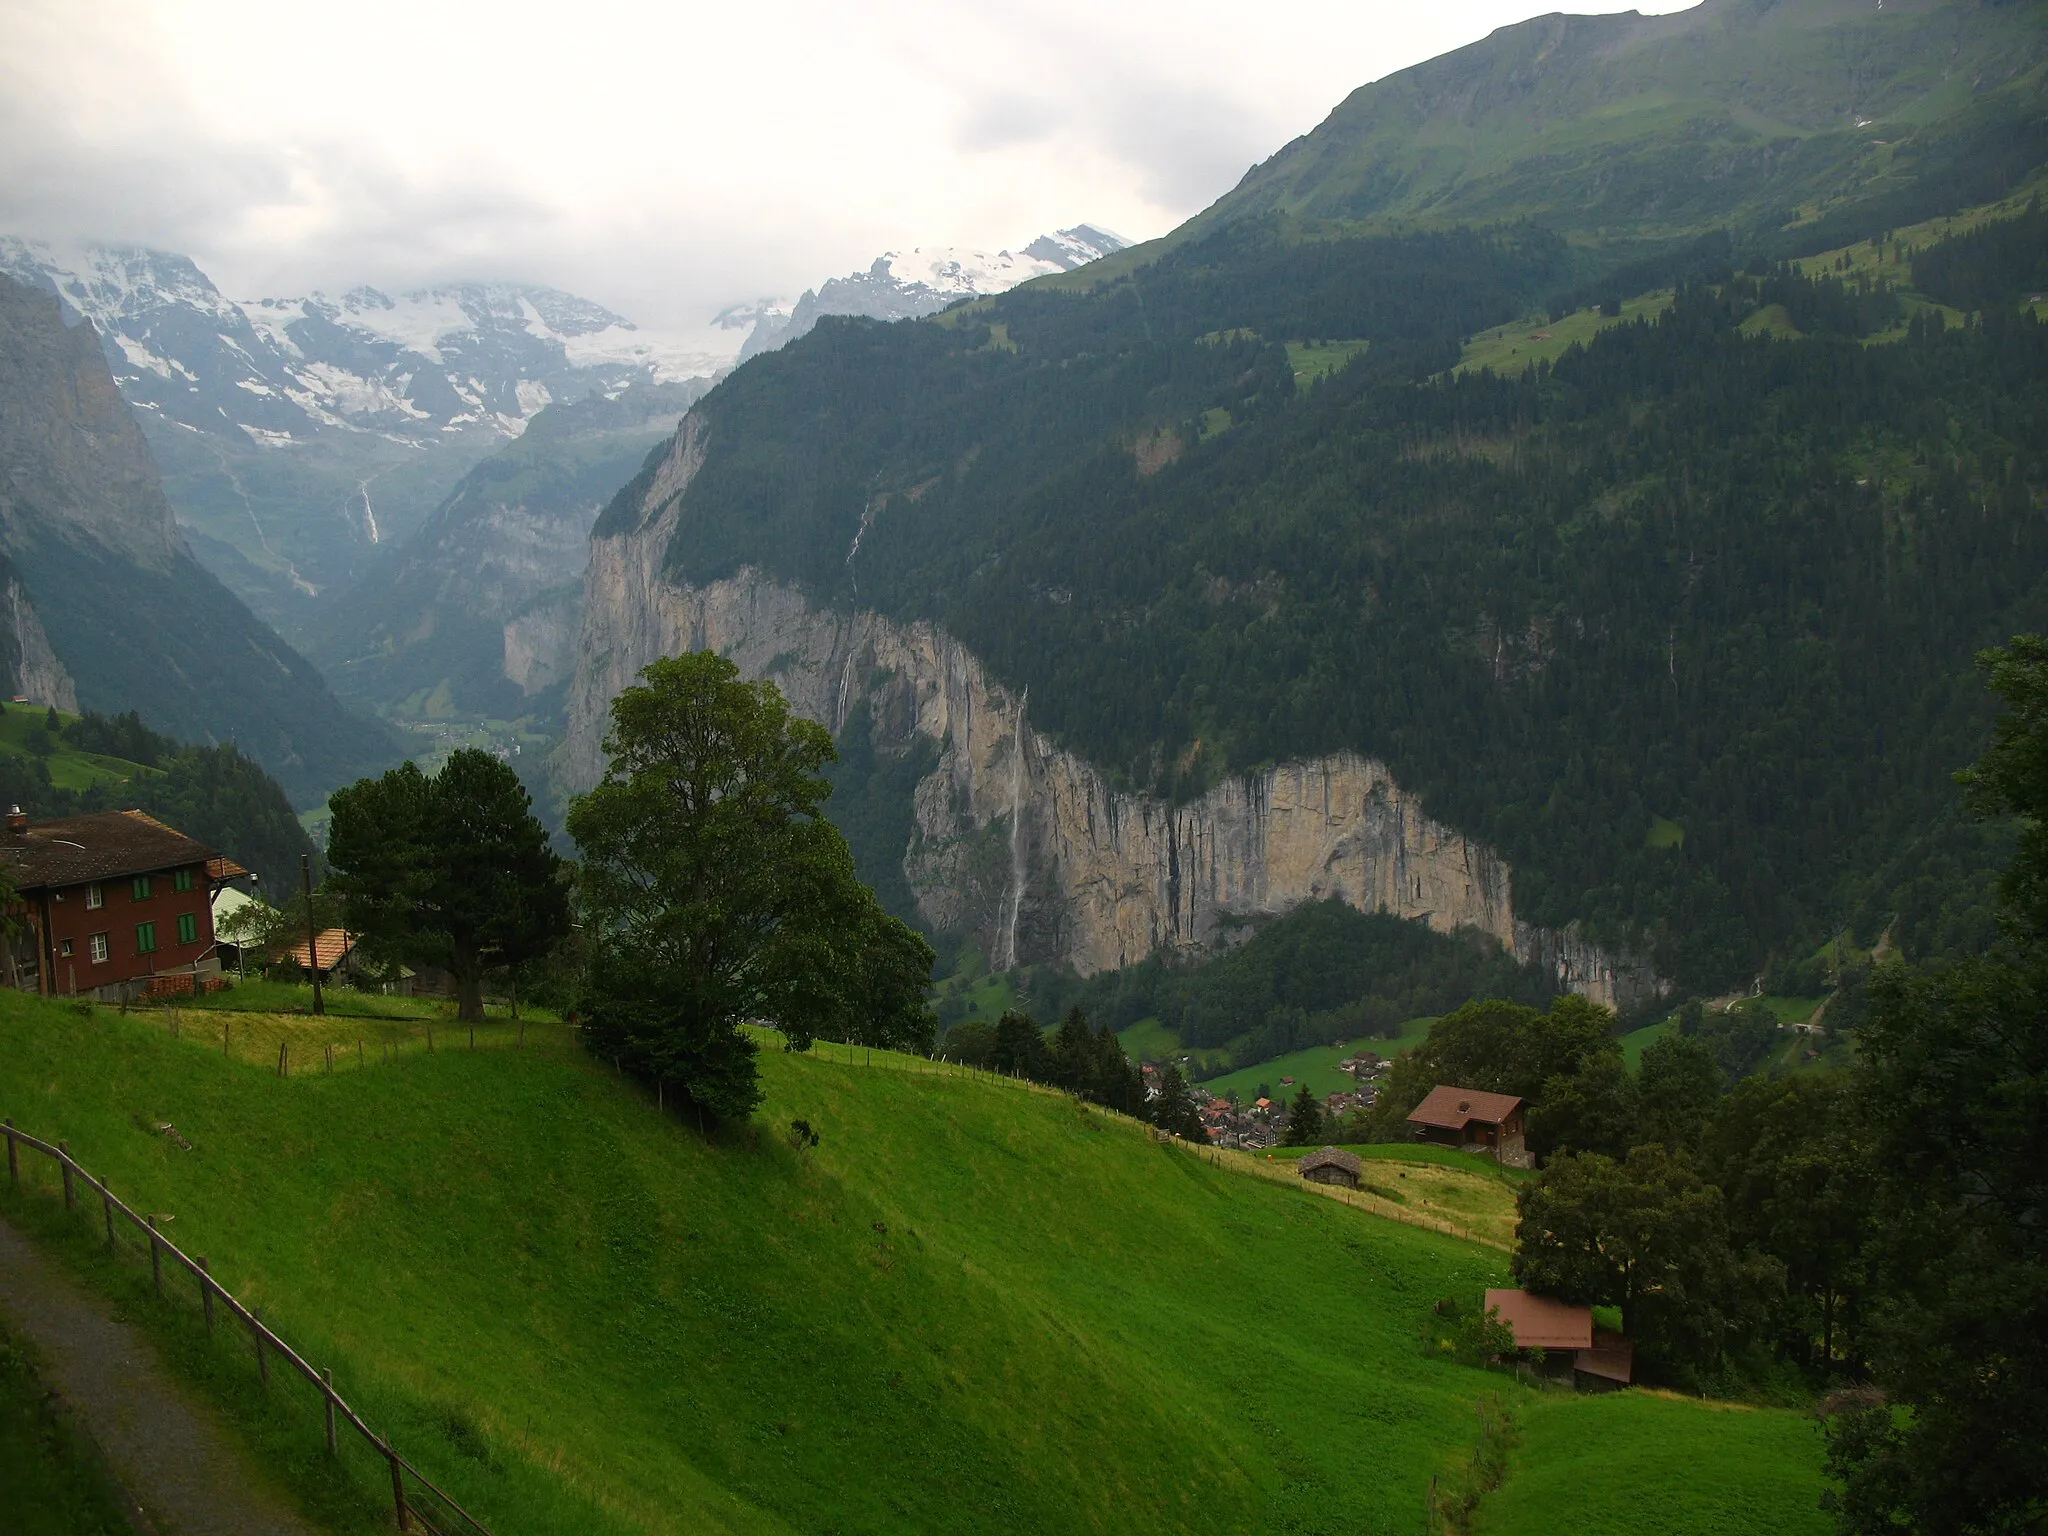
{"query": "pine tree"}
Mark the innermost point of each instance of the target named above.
(1304, 1120)
(1174, 1109)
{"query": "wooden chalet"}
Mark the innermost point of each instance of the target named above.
(1477, 1121)
(115, 905)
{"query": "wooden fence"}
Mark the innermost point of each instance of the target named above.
(407, 1482)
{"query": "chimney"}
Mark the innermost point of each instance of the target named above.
(17, 821)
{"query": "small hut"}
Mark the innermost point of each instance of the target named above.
(1330, 1166)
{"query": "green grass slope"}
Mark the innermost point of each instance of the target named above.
(1634, 1464)
(1632, 127)
(23, 734)
(973, 1307)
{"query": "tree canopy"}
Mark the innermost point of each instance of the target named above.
(717, 894)
(451, 870)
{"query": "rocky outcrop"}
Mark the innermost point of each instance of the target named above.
(1019, 841)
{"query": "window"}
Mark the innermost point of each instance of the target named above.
(188, 928)
(182, 880)
(98, 945)
(142, 887)
(95, 897)
(64, 948)
(145, 938)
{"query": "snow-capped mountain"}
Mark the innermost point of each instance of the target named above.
(419, 365)
(902, 285)
(297, 436)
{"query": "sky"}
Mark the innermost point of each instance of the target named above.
(666, 159)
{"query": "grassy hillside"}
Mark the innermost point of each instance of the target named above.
(24, 735)
(1317, 1065)
(1640, 1465)
(1787, 117)
(972, 1307)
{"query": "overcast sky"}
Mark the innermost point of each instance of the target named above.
(663, 158)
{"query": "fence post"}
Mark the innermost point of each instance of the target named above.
(327, 1380)
(282, 1069)
(206, 1292)
(398, 1490)
(256, 1333)
(64, 1163)
(430, 1038)
(156, 1259)
(107, 1200)
(330, 1058)
(359, 1053)
(13, 1158)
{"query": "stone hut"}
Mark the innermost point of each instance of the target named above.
(1330, 1166)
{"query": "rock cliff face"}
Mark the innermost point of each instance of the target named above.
(37, 674)
(1017, 841)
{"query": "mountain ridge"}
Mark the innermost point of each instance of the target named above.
(132, 617)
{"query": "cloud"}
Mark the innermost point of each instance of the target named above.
(666, 159)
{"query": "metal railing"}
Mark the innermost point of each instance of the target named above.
(411, 1516)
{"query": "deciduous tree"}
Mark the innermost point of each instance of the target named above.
(716, 892)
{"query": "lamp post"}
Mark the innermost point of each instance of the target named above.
(312, 932)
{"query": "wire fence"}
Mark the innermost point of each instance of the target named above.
(418, 1503)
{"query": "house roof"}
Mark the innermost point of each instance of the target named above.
(1452, 1109)
(1542, 1322)
(1330, 1157)
(333, 947)
(103, 846)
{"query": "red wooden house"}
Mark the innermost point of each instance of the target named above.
(114, 904)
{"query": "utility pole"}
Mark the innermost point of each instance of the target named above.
(312, 932)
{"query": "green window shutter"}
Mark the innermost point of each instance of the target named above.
(145, 938)
(188, 928)
(142, 887)
(182, 880)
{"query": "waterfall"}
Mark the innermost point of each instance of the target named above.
(1007, 956)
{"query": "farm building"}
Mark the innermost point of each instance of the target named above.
(1564, 1332)
(1479, 1122)
(1330, 1166)
(335, 950)
(114, 905)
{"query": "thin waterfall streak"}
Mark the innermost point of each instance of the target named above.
(1016, 891)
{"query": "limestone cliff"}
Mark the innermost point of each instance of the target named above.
(1017, 841)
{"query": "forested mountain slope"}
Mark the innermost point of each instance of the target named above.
(134, 619)
(1680, 625)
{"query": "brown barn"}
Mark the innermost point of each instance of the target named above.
(1330, 1166)
(1565, 1332)
(1470, 1118)
(115, 903)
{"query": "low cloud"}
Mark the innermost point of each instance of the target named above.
(668, 160)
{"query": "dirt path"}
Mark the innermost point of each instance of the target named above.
(172, 1455)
